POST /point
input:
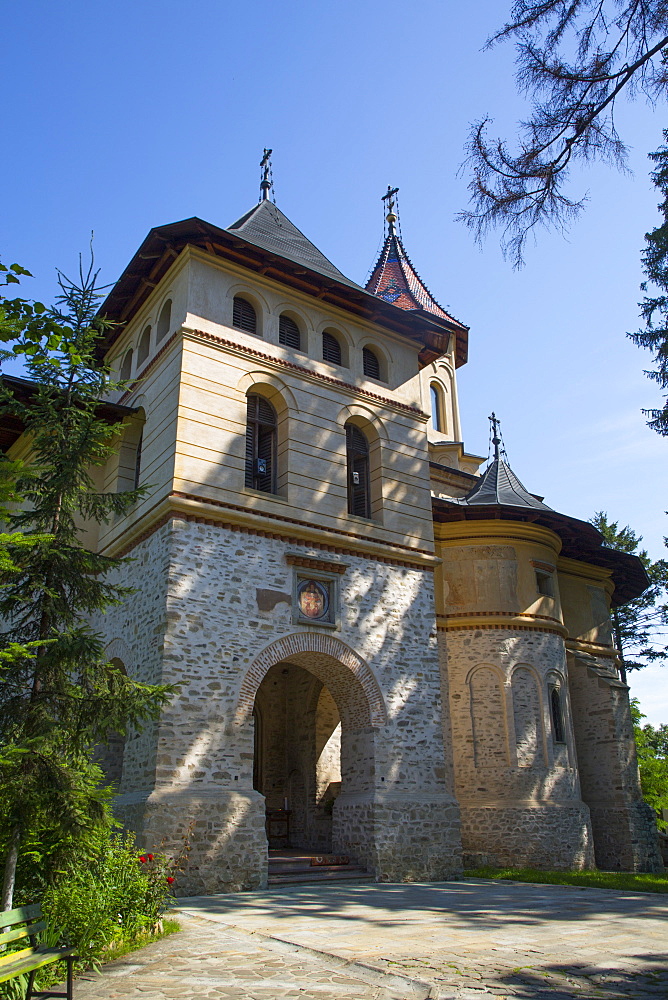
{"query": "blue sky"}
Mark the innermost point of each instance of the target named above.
(119, 117)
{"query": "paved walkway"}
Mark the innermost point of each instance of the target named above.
(469, 940)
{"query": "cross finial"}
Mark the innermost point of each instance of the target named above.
(391, 216)
(265, 183)
(496, 431)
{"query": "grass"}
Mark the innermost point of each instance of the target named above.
(627, 881)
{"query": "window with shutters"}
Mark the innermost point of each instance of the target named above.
(144, 346)
(370, 363)
(331, 349)
(244, 316)
(556, 714)
(359, 486)
(260, 444)
(126, 367)
(164, 321)
(288, 332)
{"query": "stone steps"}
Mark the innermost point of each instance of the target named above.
(295, 868)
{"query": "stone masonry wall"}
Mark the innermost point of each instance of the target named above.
(216, 623)
(625, 834)
(517, 786)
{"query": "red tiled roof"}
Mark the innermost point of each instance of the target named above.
(395, 280)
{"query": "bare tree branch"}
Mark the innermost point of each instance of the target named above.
(574, 59)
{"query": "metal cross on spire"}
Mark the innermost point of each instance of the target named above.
(391, 216)
(496, 435)
(265, 183)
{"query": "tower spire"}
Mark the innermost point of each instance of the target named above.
(391, 217)
(265, 183)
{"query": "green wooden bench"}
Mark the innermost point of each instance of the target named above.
(26, 922)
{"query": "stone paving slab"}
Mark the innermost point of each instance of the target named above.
(472, 939)
(213, 961)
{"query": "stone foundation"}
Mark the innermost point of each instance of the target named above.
(625, 839)
(534, 836)
(400, 838)
(225, 831)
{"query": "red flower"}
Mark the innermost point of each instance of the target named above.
(143, 859)
(170, 879)
(150, 857)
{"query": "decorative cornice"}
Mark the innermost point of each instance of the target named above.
(253, 511)
(497, 626)
(348, 386)
(592, 648)
(502, 614)
(318, 564)
(182, 515)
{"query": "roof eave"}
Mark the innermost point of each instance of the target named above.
(163, 245)
(580, 540)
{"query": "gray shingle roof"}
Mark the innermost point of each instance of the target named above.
(499, 485)
(267, 227)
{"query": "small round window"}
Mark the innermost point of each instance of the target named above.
(313, 599)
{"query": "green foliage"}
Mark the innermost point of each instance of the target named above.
(107, 900)
(652, 747)
(627, 881)
(654, 308)
(640, 625)
(59, 694)
(109, 895)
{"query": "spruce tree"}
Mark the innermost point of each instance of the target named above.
(641, 625)
(654, 308)
(59, 696)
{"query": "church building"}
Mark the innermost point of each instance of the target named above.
(379, 651)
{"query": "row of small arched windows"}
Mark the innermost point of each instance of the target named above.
(244, 318)
(262, 449)
(144, 346)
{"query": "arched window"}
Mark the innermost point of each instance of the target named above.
(331, 349)
(144, 345)
(370, 363)
(359, 488)
(138, 460)
(288, 332)
(126, 367)
(164, 320)
(243, 315)
(557, 715)
(437, 408)
(260, 444)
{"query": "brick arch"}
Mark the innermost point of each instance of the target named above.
(296, 648)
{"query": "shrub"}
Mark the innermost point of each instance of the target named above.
(112, 897)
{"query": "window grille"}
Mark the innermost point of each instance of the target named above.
(331, 349)
(288, 333)
(243, 315)
(370, 363)
(359, 490)
(164, 320)
(557, 717)
(260, 444)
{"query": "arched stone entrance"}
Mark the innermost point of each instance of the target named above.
(316, 708)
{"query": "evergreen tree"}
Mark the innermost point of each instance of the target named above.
(652, 747)
(641, 625)
(575, 60)
(654, 308)
(61, 696)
